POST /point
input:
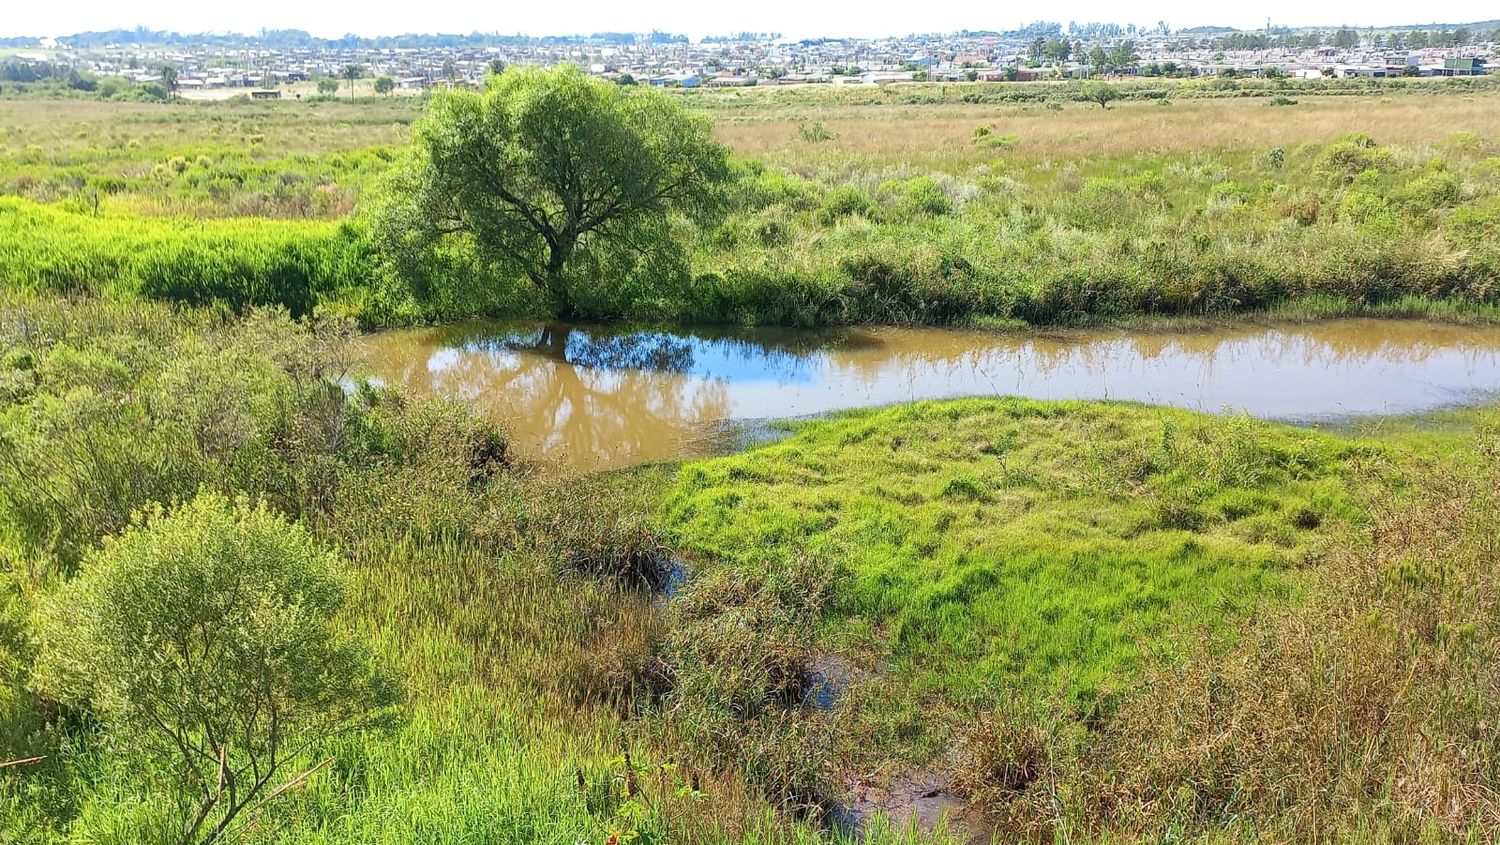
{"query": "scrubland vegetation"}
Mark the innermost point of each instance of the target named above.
(246, 597)
(887, 211)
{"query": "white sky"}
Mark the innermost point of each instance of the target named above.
(794, 18)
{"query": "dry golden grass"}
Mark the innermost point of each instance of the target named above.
(284, 128)
(929, 135)
(940, 135)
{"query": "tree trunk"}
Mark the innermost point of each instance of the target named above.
(557, 290)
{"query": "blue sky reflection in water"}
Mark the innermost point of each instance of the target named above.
(598, 397)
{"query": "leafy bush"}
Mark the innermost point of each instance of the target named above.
(846, 201)
(204, 640)
(1354, 154)
(923, 196)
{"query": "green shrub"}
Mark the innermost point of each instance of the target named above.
(846, 201)
(923, 196)
(211, 622)
(1355, 154)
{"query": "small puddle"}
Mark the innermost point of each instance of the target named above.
(919, 798)
(598, 397)
(674, 574)
(827, 678)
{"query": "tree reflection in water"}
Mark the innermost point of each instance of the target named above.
(601, 396)
(595, 396)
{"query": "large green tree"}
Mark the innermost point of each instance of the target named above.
(545, 167)
(205, 640)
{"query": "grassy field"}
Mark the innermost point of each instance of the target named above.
(44, 139)
(850, 207)
(941, 136)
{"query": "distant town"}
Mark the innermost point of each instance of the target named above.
(293, 63)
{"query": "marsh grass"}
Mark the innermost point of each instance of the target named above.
(1363, 714)
(999, 548)
(231, 263)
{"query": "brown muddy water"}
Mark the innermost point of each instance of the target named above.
(597, 397)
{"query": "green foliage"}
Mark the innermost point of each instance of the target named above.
(107, 415)
(204, 640)
(563, 179)
(1099, 92)
(986, 138)
(846, 201)
(921, 196)
(815, 132)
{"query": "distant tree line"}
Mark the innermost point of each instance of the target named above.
(1345, 38)
(56, 78)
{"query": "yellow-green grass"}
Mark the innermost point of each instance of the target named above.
(233, 262)
(1043, 551)
(214, 161)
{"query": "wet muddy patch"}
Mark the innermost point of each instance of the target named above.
(921, 798)
(828, 677)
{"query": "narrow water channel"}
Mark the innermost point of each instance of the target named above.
(597, 397)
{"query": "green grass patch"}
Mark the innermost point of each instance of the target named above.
(236, 262)
(991, 546)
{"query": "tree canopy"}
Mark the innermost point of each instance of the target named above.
(1100, 92)
(545, 170)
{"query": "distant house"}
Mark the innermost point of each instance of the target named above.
(1366, 71)
(1462, 67)
(681, 80)
(879, 77)
(265, 95)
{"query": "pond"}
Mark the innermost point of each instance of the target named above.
(598, 397)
